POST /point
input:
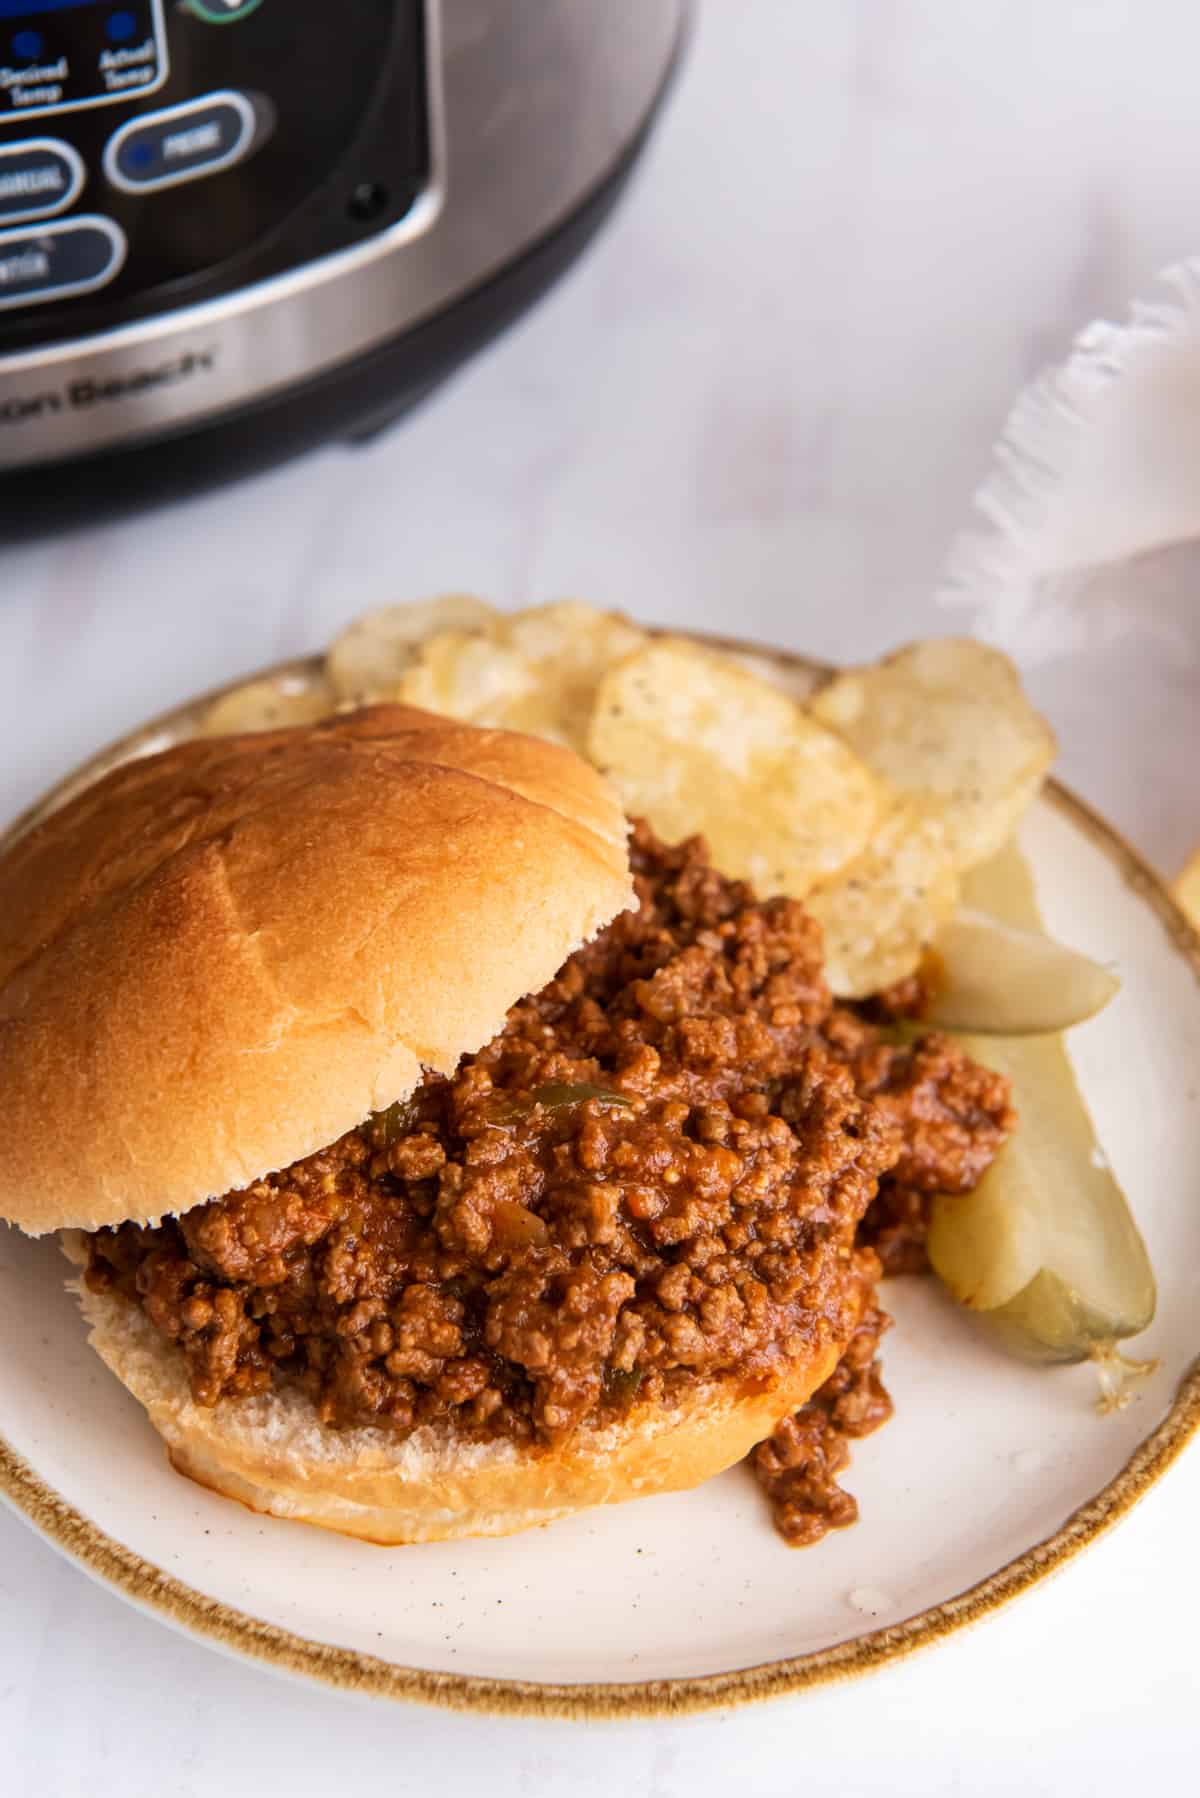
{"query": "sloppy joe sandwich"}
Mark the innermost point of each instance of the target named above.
(444, 1150)
(428, 1179)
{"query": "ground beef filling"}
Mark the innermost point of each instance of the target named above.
(652, 1177)
(798, 1466)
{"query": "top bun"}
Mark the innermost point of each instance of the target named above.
(217, 960)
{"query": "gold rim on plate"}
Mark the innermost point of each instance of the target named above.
(350, 1670)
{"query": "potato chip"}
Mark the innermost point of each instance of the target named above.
(879, 913)
(471, 677)
(947, 720)
(696, 744)
(798, 680)
(568, 635)
(1187, 890)
(371, 654)
(536, 671)
(272, 703)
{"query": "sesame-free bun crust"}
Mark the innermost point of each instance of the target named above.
(217, 960)
(271, 1452)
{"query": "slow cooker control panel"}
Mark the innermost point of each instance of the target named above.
(62, 56)
(156, 152)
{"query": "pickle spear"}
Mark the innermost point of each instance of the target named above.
(988, 978)
(1045, 1250)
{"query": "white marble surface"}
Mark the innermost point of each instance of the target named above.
(760, 403)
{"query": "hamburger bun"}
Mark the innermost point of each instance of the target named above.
(219, 959)
(272, 1454)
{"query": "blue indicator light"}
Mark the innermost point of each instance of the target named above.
(27, 45)
(121, 27)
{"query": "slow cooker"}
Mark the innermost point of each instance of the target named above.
(229, 228)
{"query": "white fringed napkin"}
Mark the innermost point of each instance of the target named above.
(1098, 463)
(1091, 534)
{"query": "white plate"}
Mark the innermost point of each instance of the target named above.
(691, 1599)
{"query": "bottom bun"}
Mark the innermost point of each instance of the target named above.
(272, 1453)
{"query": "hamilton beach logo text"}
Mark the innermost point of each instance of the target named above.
(78, 396)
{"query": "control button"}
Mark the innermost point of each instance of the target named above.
(181, 143)
(51, 262)
(222, 12)
(38, 177)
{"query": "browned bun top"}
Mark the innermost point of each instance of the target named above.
(218, 959)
